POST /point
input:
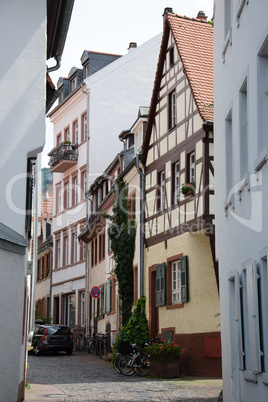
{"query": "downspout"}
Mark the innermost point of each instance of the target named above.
(142, 219)
(87, 183)
(57, 66)
(51, 270)
(35, 243)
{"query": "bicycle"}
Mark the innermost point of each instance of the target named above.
(137, 362)
(81, 343)
(121, 359)
(104, 344)
(93, 346)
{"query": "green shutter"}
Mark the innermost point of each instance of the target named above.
(184, 279)
(102, 300)
(160, 285)
(108, 294)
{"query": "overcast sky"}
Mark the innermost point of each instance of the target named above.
(109, 26)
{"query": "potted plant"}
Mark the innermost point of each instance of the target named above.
(188, 189)
(165, 359)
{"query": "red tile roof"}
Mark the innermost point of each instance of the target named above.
(194, 41)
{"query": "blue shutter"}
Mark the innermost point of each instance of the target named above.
(160, 285)
(184, 279)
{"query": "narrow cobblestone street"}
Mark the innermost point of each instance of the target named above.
(84, 377)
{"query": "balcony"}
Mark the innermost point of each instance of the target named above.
(63, 157)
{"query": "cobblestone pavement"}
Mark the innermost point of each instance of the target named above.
(84, 377)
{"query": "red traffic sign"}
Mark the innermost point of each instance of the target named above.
(95, 292)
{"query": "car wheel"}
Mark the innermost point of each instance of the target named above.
(69, 352)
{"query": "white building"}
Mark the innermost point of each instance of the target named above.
(27, 31)
(241, 193)
(113, 95)
(104, 313)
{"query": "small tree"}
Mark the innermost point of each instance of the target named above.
(122, 233)
(136, 330)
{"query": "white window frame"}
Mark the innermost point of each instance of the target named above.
(73, 83)
(76, 132)
(192, 167)
(83, 309)
(58, 253)
(58, 199)
(75, 247)
(176, 281)
(66, 249)
(75, 192)
(177, 182)
(162, 191)
(70, 302)
(84, 127)
(66, 195)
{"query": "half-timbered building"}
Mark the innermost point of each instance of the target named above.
(181, 279)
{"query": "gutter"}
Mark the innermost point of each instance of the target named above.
(142, 221)
(87, 182)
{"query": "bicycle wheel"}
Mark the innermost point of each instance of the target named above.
(116, 361)
(90, 348)
(141, 365)
(125, 365)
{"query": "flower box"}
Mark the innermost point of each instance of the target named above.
(188, 189)
(165, 366)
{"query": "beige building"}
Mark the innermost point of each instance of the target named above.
(181, 276)
(104, 311)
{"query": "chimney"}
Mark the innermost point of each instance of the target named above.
(132, 46)
(168, 10)
(201, 16)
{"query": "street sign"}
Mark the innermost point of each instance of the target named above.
(95, 292)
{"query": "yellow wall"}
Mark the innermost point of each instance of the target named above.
(198, 315)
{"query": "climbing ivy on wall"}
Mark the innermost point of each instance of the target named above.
(122, 233)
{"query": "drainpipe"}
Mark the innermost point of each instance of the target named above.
(142, 219)
(56, 67)
(87, 184)
(35, 243)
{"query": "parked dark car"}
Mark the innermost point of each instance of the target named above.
(52, 338)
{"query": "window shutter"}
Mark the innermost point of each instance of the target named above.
(107, 287)
(184, 279)
(160, 285)
(102, 307)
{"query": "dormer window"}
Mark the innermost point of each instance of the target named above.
(130, 140)
(61, 94)
(73, 83)
(86, 70)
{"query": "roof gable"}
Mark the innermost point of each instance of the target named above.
(194, 43)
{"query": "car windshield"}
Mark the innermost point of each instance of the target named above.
(57, 330)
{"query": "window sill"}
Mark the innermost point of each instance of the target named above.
(265, 378)
(250, 376)
(174, 306)
(239, 10)
(261, 160)
(227, 43)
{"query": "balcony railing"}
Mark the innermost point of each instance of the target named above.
(63, 156)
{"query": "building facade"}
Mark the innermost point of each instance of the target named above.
(241, 186)
(180, 269)
(24, 87)
(104, 312)
(97, 111)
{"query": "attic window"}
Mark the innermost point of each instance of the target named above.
(86, 70)
(73, 83)
(171, 57)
